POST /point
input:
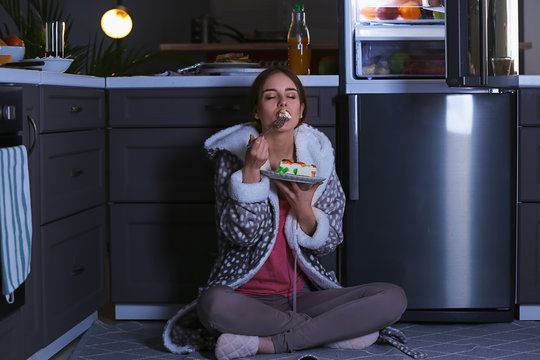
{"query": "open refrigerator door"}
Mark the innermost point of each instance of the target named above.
(398, 38)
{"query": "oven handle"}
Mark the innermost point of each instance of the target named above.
(34, 127)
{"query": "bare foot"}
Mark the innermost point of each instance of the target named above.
(266, 346)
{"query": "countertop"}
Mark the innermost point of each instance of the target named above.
(20, 76)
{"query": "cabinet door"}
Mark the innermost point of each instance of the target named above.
(529, 164)
(74, 282)
(72, 173)
(528, 288)
(11, 336)
(160, 165)
(160, 253)
(32, 313)
(321, 106)
(529, 106)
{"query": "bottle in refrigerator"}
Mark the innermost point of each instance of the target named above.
(298, 41)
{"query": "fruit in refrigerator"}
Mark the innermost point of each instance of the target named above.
(398, 61)
(409, 10)
(369, 12)
(438, 15)
(13, 40)
(387, 13)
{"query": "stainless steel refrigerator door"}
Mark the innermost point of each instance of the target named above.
(435, 197)
(482, 43)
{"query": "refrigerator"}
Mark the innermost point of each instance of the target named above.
(426, 155)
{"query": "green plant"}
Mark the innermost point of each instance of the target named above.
(30, 23)
(96, 58)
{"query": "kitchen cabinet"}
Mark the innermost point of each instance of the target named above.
(161, 185)
(63, 131)
(528, 289)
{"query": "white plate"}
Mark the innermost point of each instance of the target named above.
(52, 64)
(289, 177)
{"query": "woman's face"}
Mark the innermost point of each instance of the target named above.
(278, 92)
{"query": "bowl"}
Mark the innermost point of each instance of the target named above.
(16, 52)
(52, 64)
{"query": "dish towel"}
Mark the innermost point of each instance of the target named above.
(15, 219)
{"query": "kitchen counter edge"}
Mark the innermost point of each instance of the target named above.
(21, 76)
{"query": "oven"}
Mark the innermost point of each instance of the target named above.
(11, 124)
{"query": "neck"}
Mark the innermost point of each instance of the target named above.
(280, 146)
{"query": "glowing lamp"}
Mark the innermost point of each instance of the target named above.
(116, 23)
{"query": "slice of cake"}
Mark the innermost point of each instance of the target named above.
(299, 168)
(284, 113)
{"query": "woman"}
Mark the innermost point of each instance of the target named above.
(268, 292)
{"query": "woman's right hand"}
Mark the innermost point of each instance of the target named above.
(256, 156)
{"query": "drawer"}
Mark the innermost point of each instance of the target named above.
(208, 107)
(160, 165)
(160, 253)
(188, 107)
(66, 108)
(72, 172)
(73, 270)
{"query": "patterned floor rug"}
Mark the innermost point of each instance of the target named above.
(519, 340)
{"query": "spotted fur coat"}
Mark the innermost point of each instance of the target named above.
(247, 218)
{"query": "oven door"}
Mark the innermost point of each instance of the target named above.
(11, 111)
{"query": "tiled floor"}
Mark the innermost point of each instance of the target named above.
(519, 340)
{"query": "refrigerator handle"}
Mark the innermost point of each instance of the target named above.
(354, 127)
(484, 41)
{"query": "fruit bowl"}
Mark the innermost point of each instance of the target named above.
(16, 52)
(52, 64)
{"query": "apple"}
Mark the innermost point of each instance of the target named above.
(328, 66)
(387, 13)
(13, 40)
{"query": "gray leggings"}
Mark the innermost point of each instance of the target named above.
(322, 316)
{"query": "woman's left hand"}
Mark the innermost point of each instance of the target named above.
(300, 202)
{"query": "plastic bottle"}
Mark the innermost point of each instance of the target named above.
(299, 50)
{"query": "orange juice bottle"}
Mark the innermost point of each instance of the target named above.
(299, 51)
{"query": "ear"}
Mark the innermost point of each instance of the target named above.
(302, 107)
(256, 113)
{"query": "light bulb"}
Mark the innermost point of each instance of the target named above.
(116, 23)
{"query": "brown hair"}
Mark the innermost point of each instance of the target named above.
(255, 90)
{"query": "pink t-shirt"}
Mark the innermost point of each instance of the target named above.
(276, 276)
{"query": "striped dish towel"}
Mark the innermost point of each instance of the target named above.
(15, 219)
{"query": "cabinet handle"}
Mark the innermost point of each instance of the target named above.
(78, 270)
(75, 109)
(34, 127)
(75, 173)
(222, 107)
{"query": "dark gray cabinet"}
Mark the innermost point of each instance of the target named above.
(162, 214)
(65, 138)
(528, 249)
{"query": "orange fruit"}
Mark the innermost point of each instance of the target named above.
(368, 12)
(409, 10)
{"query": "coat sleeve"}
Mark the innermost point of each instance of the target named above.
(329, 210)
(244, 213)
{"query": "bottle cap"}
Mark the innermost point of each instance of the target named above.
(298, 7)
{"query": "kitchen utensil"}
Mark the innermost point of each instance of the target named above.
(54, 38)
(278, 124)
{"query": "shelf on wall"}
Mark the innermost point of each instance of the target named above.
(247, 46)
